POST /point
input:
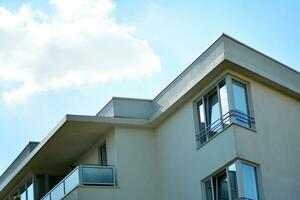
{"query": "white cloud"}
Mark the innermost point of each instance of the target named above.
(78, 44)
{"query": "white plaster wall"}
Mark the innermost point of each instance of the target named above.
(276, 145)
(182, 166)
(92, 155)
(137, 163)
(133, 151)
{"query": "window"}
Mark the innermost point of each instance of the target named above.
(249, 181)
(225, 184)
(102, 155)
(208, 190)
(30, 192)
(24, 192)
(221, 186)
(240, 103)
(213, 108)
(202, 124)
(224, 104)
(224, 100)
(232, 176)
(40, 186)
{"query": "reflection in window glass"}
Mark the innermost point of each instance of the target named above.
(224, 102)
(233, 181)
(249, 181)
(201, 122)
(30, 192)
(23, 193)
(239, 96)
(240, 102)
(225, 185)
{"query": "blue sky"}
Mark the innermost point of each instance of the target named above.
(164, 35)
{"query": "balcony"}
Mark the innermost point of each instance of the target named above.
(231, 117)
(83, 175)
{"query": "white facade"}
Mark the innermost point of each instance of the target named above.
(152, 144)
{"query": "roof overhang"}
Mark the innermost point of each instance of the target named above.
(65, 144)
(224, 53)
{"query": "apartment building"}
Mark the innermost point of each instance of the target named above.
(227, 128)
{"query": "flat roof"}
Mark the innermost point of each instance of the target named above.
(225, 51)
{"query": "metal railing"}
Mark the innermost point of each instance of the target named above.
(233, 116)
(83, 175)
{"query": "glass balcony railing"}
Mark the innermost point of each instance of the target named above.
(83, 175)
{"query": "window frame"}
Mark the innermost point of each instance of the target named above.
(203, 98)
(100, 157)
(248, 96)
(228, 79)
(239, 180)
(23, 183)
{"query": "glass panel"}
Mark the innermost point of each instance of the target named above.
(22, 193)
(96, 176)
(222, 191)
(240, 103)
(249, 181)
(72, 181)
(30, 192)
(214, 113)
(208, 190)
(233, 181)
(54, 180)
(58, 192)
(224, 103)
(240, 97)
(202, 131)
(46, 197)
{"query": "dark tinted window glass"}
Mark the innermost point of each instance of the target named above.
(40, 185)
(208, 190)
(222, 187)
(103, 155)
(213, 107)
(213, 114)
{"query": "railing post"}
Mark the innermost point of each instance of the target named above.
(115, 176)
(80, 174)
(64, 187)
